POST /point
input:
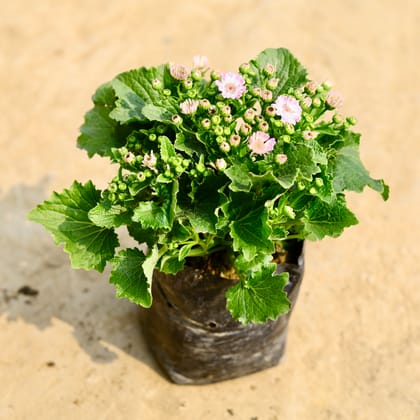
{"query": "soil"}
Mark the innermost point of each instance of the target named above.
(354, 338)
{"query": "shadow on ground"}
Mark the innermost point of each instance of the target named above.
(38, 285)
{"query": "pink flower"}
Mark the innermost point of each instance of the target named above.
(149, 160)
(334, 99)
(231, 85)
(179, 71)
(261, 143)
(288, 108)
(189, 106)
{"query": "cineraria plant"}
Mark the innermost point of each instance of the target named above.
(211, 163)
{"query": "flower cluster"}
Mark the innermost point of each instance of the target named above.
(210, 163)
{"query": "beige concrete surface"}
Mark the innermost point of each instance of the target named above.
(74, 351)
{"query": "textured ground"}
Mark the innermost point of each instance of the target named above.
(74, 351)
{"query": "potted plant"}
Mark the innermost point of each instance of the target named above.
(222, 176)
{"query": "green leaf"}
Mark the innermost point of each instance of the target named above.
(134, 91)
(151, 215)
(189, 145)
(156, 113)
(158, 216)
(66, 217)
(100, 133)
(141, 235)
(167, 149)
(129, 277)
(171, 264)
(322, 219)
(288, 70)
(251, 234)
(350, 174)
(300, 160)
(108, 215)
(260, 297)
(240, 180)
(201, 213)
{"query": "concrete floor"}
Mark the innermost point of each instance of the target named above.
(74, 351)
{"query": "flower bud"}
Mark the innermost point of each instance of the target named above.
(285, 138)
(221, 164)
(301, 186)
(281, 158)
(226, 110)
(266, 95)
(316, 102)
(113, 187)
(156, 84)
(312, 191)
(249, 115)
(205, 103)
(226, 131)
(149, 160)
(215, 75)
(244, 68)
(224, 147)
(176, 119)
(234, 140)
(319, 182)
(228, 119)
(309, 135)
(206, 123)
(212, 110)
(216, 120)
(220, 139)
(338, 118)
(167, 92)
(196, 75)
(270, 111)
(334, 100)
(129, 157)
(306, 102)
(269, 69)
(188, 84)
(245, 129)
(200, 62)
(273, 83)
(327, 85)
(263, 126)
(311, 87)
(290, 129)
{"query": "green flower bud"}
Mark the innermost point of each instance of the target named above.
(312, 191)
(319, 182)
(200, 167)
(112, 197)
(225, 110)
(192, 93)
(216, 120)
(290, 129)
(152, 137)
(196, 75)
(122, 186)
(273, 83)
(185, 163)
(220, 139)
(218, 130)
(215, 75)
(228, 119)
(309, 118)
(316, 102)
(338, 118)
(188, 84)
(113, 187)
(141, 176)
(285, 138)
(166, 92)
(161, 128)
(301, 186)
(148, 173)
(263, 126)
(122, 196)
(226, 131)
